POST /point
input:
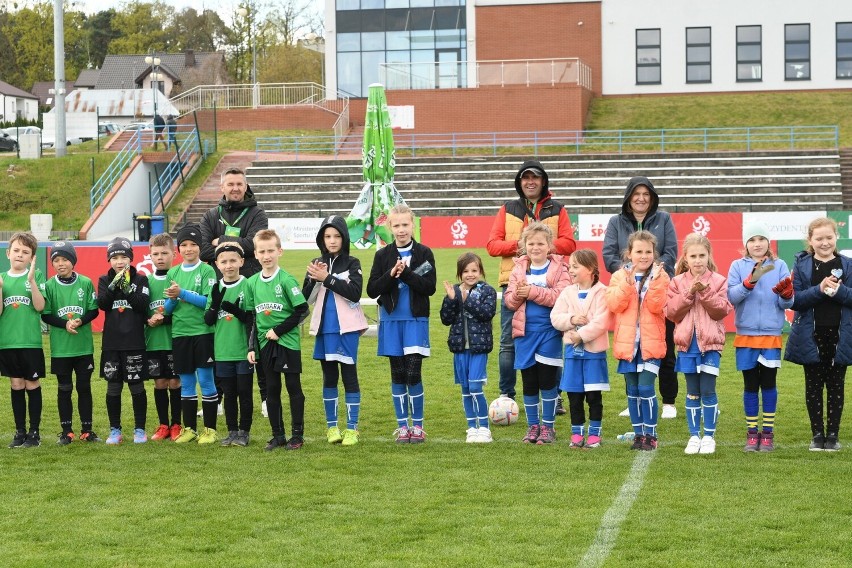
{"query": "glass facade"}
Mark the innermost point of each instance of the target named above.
(432, 33)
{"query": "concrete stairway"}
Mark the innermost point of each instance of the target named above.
(765, 181)
(846, 176)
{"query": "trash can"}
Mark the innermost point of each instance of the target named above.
(143, 227)
(158, 224)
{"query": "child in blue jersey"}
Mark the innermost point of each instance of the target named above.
(534, 285)
(581, 314)
(761, 289)
(333, 283)
(402, 278)
(468, 309)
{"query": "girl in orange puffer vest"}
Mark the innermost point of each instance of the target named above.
(636, 296)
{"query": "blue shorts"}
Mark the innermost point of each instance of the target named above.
(584, 373)
(404, 337)
(638, 365)
(749, 357)
(469, 367)
(337, 347)
(695, 363)
(538, 347)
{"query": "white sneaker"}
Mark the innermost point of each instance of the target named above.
(708, 445)
(693, 445)
(484, 436)
(472, 435)
(221, 410)
(263, 410)
(625, 412)
(669, 411)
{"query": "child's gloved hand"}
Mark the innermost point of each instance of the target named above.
(759, 270)
(784, 288)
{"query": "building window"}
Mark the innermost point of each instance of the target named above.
(648, 57)
(844, 50)
(749, 54)
(797, 52)
(698, 55)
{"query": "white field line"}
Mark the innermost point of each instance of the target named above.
(607, 534)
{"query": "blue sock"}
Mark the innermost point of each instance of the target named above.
(595, 428)
(648, 409)
(770, 404)
(531, 409)
(751, 408)
(467, 403)
(548, 406)
(400, 403)
(633, 408)
(187, 385)
(710, 410)
(577, 429)
(353, 409)
(329, 401)
(206, 381)
(693, 414)
(480, 405)
(415, 394)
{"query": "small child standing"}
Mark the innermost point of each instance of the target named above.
(123, 296)
(274, 341)
(760, 289)
(21, 354)
(535, 283)
(158, 341)
(403, 278)
(636, 295)
(70, 305)
(468, 309)
(230, 341)
(333, 283)
(581, 314)
(697, 303)
(821, 336)
(192, 339)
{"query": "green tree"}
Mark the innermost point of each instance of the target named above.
(101, 33)
(201, 32)
(141, 26)
(291, 64)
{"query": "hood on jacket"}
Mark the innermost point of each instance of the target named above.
(231, 206)
(545, 181)
(633, 184)
(338, 223)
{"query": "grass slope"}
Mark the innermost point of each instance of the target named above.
(445, 503)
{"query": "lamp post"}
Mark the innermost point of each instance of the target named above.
(154, 62)
(243, 12)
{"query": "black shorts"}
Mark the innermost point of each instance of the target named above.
(278, 359)
(191, 353)
(27, 363)
(79, 365)
(124, 366)
(161, 365)
(232, 368)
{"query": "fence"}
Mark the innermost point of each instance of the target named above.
(748, 139)
(258, 95)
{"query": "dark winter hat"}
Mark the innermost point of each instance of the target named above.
(65, 250)
(189, 233)
(119, 246)
(537, 172)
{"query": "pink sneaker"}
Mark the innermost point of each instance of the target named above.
(546, 435)
(402, 435)
(767, 441)
(577, 441)
(593, 442)
(417, 436)
(532, 434)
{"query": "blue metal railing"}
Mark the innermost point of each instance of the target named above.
(159, 189)
(188, 144)
(748, 139)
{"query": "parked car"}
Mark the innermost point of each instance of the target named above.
(7, 143)
(14, 131)
(107, 128)
(139, 126)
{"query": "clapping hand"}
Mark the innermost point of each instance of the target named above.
(450, 289)
(523, 290)
(318, 270)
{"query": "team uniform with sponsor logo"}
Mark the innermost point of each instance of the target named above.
(66, 300)
(279, 305)
(158, 345)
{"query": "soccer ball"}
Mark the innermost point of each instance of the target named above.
(503, 411)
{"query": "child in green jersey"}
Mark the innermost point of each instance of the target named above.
(70, 305)
(192, 339)
(225, 312)
(158, 341)
(21, 356)
(278, 306)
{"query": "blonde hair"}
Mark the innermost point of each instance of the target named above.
(267, 235)
(162, 240)
(535, 227)
(399, 209)
(816, 224)
(694, 239)
(588, 259)
(643, 236)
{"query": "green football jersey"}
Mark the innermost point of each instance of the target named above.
(20, 323)
(70, 301)
(158, 338)
(187, 319)
(231, 339)
(273, 300)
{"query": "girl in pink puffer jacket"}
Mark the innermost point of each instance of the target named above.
(697, 302)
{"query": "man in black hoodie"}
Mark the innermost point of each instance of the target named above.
(236, 218)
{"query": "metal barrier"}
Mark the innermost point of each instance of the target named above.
(259, 95)
(159, 189)
(748, 139)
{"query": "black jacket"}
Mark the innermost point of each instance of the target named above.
(212, 227)
(337, 264)
(384, 287)
(125, 314)
(470, 321)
